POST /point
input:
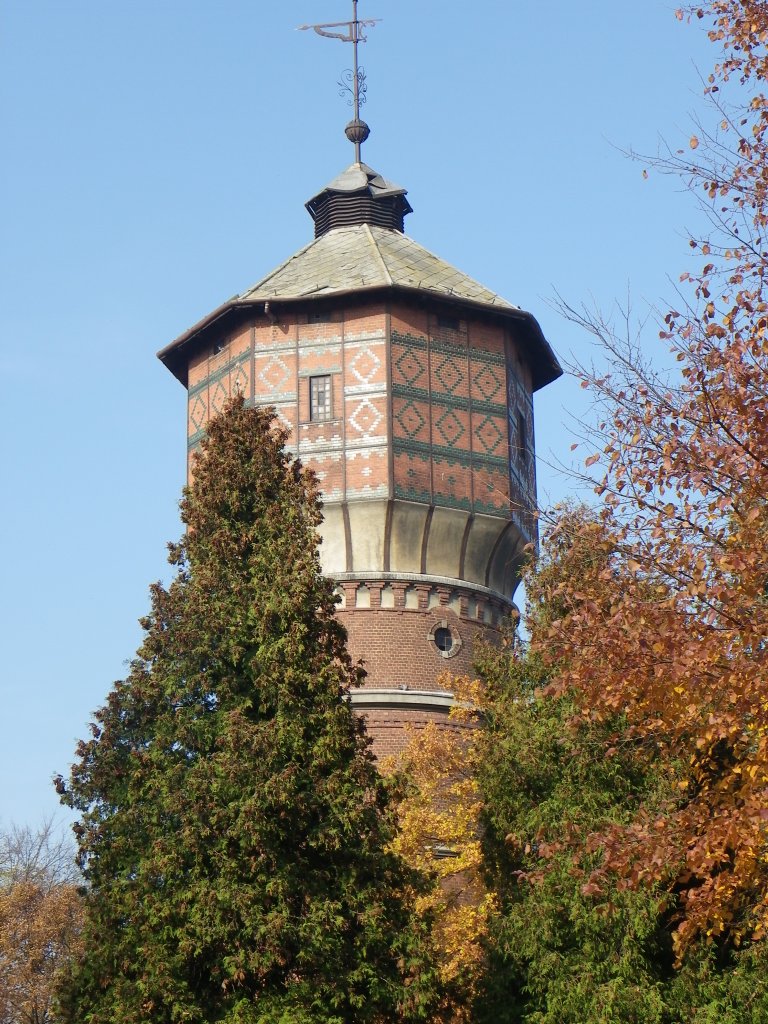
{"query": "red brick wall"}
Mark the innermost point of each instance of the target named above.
(419, 408)
(449, 411)
(390, 729)
(394, 643)
(271, 364)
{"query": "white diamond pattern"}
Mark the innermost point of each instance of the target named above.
(366, 418)
(365, 364)
(275, 374)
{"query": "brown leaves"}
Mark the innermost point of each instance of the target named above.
(668, 627)
(40, 923)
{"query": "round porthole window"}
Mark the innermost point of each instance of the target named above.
(445, 638)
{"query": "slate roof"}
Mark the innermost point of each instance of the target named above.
(363, 257)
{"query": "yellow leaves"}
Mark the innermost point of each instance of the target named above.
(694, 142)
(439, 830)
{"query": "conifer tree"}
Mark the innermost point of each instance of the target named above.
(233, 829)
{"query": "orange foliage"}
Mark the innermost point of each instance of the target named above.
(672, 628)
(37, 927)
(40, 918)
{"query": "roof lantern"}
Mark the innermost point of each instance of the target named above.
(359, 196)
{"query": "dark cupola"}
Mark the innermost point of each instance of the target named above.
(359, 196)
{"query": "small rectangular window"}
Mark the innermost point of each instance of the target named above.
(448, 323)
(320, 405)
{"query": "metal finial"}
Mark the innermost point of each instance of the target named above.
(352, 82)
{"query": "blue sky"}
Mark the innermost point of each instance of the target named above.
(156, 159)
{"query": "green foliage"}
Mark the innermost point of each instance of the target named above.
(575, 942)
(722, 986)
(233, 827)
(563, 948)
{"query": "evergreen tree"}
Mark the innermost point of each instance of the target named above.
(233, 829)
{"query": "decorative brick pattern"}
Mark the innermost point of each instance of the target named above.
(366, 473)
(212, 381)
(489, 435)
(487, 381)
(365, 366)
(272, 363)
(451, 427)
(410, 420)
(449, 409)
(329, 471)
(366, 418)
(435, 410)
(409, 367)
(450, 373)
(454, 435)
(274, 374)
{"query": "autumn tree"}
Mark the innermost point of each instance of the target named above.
(233, 829)
(502, 812)
(40, 921)
(439, 832)
(669, 634)
(623, 770)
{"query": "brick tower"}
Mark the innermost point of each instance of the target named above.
(408, 388)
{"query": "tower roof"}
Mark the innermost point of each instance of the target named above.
(362, 259)
(359, 195)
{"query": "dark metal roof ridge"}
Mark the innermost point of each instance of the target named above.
(206, 321)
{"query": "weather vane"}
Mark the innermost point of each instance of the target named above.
(352, 83)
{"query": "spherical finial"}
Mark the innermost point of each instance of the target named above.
(357, 131)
